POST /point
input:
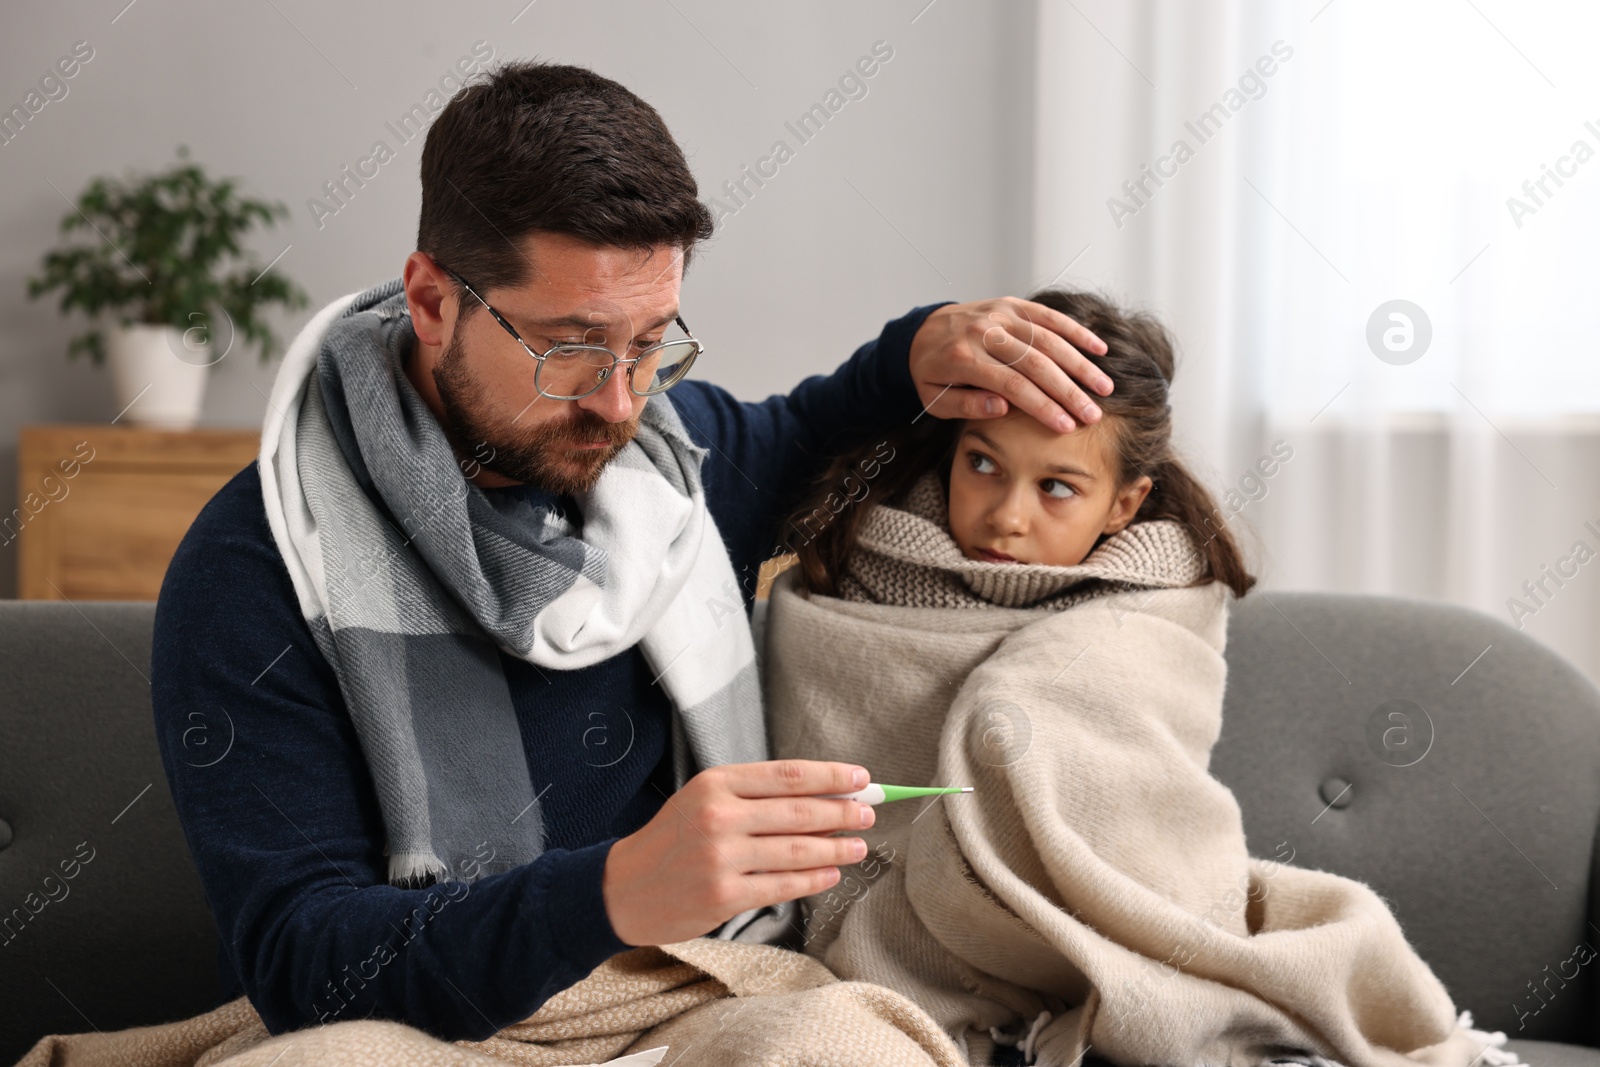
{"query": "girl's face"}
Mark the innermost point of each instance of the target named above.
(1023, 493)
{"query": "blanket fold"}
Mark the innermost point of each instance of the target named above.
(704, 1001)
(1095, 891)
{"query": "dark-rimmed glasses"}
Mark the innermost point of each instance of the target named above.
(572, 371)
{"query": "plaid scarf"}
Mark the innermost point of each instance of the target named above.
(411, 580)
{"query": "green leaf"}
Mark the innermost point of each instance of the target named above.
(155, 248)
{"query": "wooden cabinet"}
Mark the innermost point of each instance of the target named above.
(101, 508)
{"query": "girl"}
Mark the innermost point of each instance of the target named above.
(1108, 473)
(1042, 617)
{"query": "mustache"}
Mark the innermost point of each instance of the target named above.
(584, 426)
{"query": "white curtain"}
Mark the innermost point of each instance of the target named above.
(1309, 165)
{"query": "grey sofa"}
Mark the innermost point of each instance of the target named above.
(1474, 812)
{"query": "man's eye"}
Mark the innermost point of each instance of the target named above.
(1057, 488)
(980, 462)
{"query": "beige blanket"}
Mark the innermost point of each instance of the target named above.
(1095, 891)
(704, 1001)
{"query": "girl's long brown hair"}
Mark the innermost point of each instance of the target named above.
(1139, 359)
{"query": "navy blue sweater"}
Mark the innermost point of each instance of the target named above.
(277, 803)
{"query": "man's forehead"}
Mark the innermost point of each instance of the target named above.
(606, 316)
(580, 285)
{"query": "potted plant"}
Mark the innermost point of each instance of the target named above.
(160, 255)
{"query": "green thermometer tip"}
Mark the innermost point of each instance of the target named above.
(906, 792)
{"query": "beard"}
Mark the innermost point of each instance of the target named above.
(546, 455)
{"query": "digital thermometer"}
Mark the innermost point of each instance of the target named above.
(876, 793)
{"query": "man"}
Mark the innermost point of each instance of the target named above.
(454, 686)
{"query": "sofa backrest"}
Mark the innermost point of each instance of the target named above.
(1471, 754)
(102, 921)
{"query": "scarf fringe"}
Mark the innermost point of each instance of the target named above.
(1493, 1053)
(416, 869)
(1026, 1041)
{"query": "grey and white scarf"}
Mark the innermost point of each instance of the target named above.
(411, 579)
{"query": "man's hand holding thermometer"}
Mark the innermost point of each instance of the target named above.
(736, 837)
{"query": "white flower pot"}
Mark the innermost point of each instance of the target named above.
(159, 380)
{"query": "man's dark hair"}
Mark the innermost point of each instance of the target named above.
(529, 147)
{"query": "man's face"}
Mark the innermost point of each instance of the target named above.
(576, 292)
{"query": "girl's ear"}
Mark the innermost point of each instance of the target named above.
(1127, 503)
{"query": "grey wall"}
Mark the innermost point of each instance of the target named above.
(918, 191)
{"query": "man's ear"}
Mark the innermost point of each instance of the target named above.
(426, 287)
(1127, 503)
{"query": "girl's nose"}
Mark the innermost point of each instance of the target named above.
(1009, 516)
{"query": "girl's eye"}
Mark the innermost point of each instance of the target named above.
(1057, 488)
(981, 463)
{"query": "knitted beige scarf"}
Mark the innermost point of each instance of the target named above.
(906, 556)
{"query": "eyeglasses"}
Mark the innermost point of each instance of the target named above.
(574, 371)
